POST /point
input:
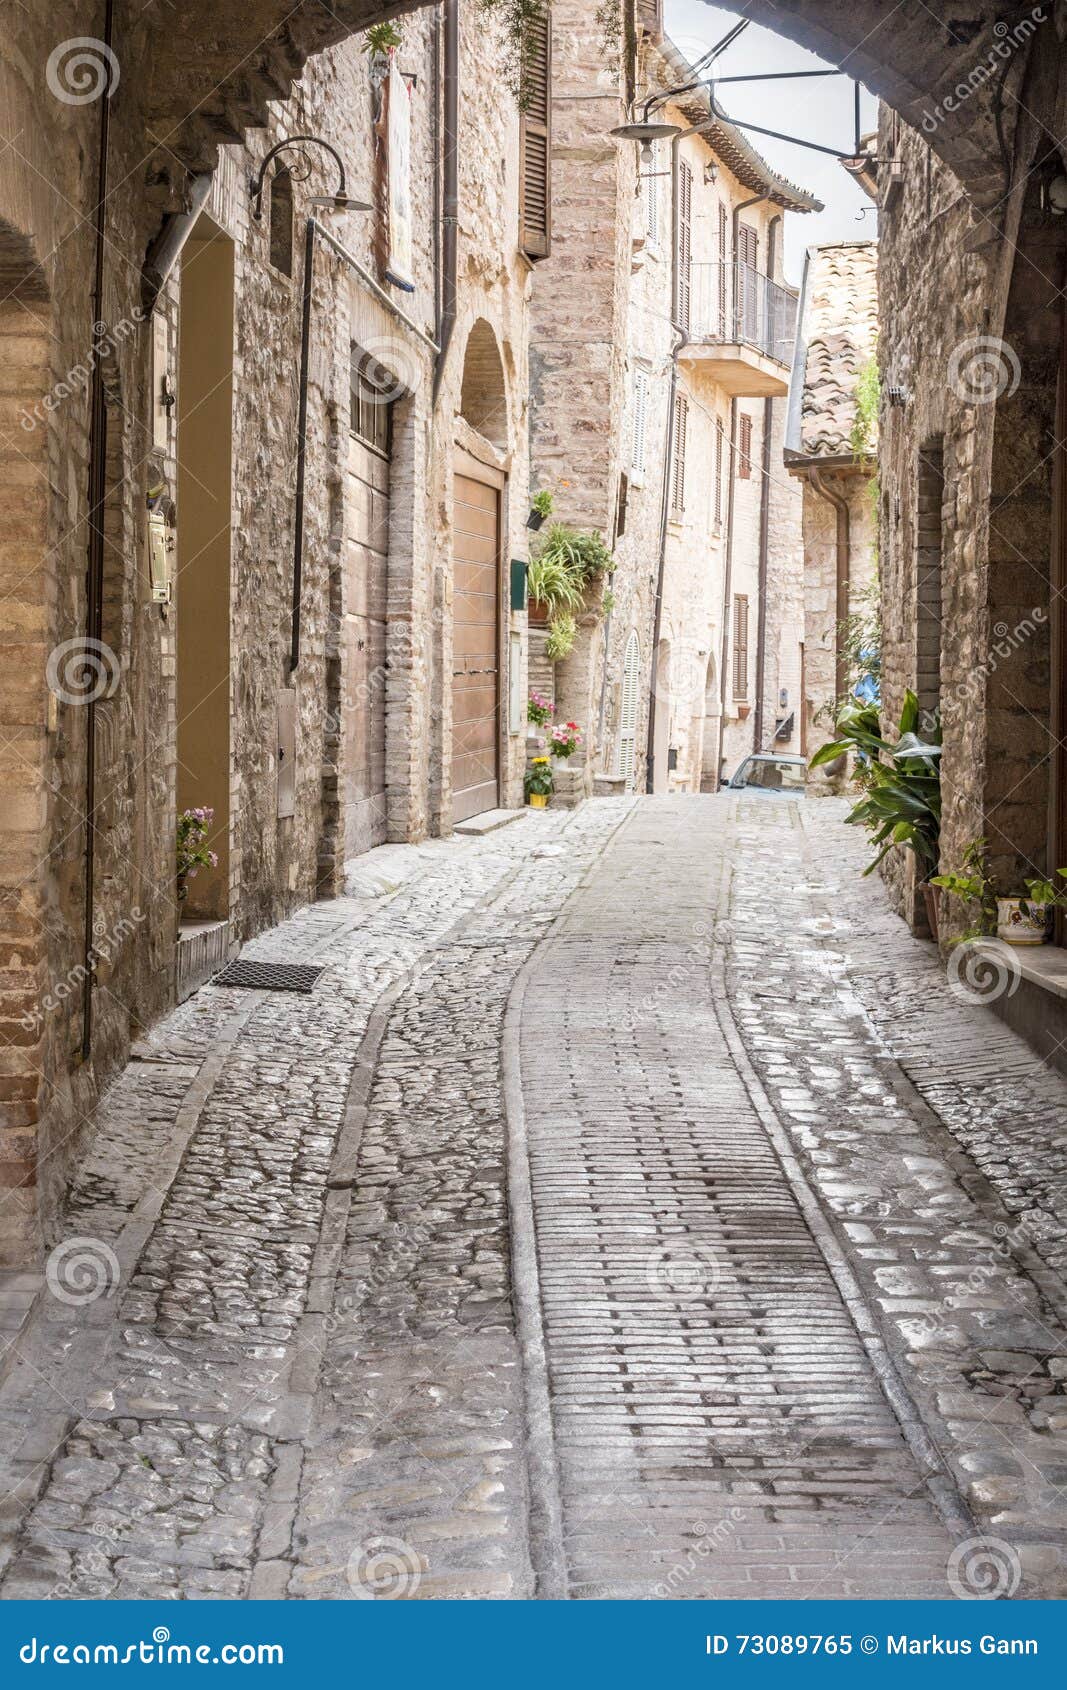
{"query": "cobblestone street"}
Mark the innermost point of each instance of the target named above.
(632, 1209)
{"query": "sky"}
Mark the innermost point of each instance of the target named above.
(820, 109)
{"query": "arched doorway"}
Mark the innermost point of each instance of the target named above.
(478, 501)
(709, 753)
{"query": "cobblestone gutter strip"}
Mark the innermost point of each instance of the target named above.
(969, 1315)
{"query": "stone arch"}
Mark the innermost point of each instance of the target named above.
(483, 400)
(29, 1032)
(709, 750)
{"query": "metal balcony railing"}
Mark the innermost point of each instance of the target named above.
(736, 303)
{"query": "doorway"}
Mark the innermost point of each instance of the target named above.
(477, 491)
(202, 586)
(364, 641)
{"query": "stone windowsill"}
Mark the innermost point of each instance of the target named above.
(1044, 966)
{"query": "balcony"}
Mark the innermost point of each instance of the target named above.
(741, 327)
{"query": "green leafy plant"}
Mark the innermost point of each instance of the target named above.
(900, 780)
(550, 582)
(537, 781)
(608, 602)
(542, 503)
(1042, 895)
(382, 38)
(864, 429)
(562, 633)
(974, 886)
(565, 564)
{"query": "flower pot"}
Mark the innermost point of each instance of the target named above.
(537, 613)
(534, 520)
(930, 900)
(537, 801)
(1017, 926)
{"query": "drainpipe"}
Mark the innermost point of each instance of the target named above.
(166, 249)
(727, 574)
(764, 522)
(94, 584)
(843, 571)
(450, 197)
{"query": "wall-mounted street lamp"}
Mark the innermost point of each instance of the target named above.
(340, 201)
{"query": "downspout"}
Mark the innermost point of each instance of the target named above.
(94, 586)
(843, 572)
(764, 522)
(450, 195)
(166, 249)
(728, 564)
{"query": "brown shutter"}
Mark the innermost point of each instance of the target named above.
(535, 140)
(724, 274)
(744, 469)
(685, 242)
(740, 646)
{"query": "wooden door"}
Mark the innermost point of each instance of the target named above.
(364, 646)
(475, 644)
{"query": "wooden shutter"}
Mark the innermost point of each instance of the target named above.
(535, 140)
(685, 243)
(637, 456)
(744, 465)
(626, 756)
(718, 469)
(740, 646)
(681, 424)
(748, 283)
(724, 272)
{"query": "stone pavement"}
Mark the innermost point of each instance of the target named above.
(632, 1209)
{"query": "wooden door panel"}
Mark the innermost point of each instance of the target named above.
(475, 647)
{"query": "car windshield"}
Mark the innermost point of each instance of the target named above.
(777, 776)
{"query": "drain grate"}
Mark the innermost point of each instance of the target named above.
(269, 976)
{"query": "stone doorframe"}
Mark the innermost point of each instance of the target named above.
(478, 458)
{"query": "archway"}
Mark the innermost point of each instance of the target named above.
(483, 401)
(709, 753)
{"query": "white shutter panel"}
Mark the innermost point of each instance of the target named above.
(640, 402)
(626, 756)
(650, 183)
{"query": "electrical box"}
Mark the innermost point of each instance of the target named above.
(160, 557)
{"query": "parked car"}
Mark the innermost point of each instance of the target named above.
(767, 773)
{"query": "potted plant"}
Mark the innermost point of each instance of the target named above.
(540, 507)
(193, 853)
(538, 783)
(901, 786)
(539, 710)
(974, 887)
(562, 633)
(567, 563)
(1018, 920)
(563, 740)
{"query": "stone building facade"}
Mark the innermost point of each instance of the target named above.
(660, 346)
(151, 411)
(830, 447)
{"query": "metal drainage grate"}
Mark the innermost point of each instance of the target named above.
(269, 976)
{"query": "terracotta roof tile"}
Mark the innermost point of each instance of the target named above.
(839, 330)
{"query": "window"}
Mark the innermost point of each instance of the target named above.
(746, 302)
(744, 447)
(640, 417)
(626, 754)
(740, 646)
(681, 425)
(281, 220)
(535, 139)
(928, 563)
(620, 507)
(719, 436)
(371, 411)
(685, 243)
(650, 181)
